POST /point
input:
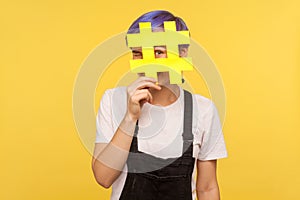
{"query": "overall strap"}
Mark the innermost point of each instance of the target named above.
(134, 143)
(187, 134)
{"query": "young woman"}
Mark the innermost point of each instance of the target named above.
(157, 141)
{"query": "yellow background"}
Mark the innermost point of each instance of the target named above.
(255, 44)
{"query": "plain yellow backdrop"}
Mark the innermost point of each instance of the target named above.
(255, 45)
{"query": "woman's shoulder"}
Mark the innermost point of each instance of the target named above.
(114, 95)
(116, 90)
(202, 103)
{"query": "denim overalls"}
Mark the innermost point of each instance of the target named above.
(154, 178)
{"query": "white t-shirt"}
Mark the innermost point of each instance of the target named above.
(160, 129)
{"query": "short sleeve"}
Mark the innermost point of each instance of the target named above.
(212, 142)
(104, 127)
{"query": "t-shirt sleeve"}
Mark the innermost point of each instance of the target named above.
(104, 127)
(212, 141)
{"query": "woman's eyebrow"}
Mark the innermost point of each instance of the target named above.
(161, 46)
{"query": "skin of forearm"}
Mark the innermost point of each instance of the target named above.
(110, 162)
(209, 194)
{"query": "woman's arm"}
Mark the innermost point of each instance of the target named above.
(109, 159)
(207, 185)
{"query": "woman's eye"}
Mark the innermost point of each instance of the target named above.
(158, 52)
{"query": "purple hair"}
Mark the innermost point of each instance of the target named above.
(157, 19)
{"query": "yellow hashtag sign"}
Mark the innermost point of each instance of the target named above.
(169, 38)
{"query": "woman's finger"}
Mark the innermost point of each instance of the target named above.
(142, 94)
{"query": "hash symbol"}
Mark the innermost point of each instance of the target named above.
(169, 38)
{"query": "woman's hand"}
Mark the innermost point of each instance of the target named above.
(138, 94)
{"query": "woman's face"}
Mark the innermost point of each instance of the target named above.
(159, 52)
